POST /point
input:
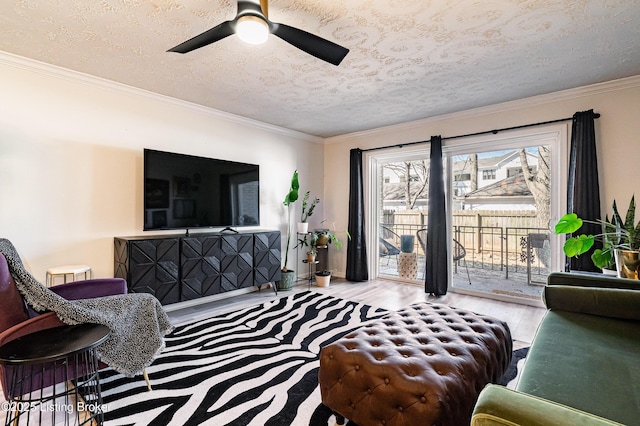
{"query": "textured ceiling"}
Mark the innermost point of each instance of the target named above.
(408, 59)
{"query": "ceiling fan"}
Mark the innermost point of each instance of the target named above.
(253, 18)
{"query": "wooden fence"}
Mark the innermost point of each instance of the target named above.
(477, 218)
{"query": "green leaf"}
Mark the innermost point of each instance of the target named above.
(602, 258)
(629, 221)
(630, 226)
(577, 245)
(635, 244)
(568, 224)
(616, 219)
(292, 196)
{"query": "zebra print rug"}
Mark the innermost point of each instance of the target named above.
(256, 366)
(512, 375)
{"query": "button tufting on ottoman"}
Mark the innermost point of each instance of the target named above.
(425, 364)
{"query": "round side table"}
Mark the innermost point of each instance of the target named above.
(37, 365)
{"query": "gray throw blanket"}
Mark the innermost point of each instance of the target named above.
(137, 321)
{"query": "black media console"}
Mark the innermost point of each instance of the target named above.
(176, 268)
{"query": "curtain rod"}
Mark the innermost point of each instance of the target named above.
(486, 132)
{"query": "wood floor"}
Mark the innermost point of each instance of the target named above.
(523, 320)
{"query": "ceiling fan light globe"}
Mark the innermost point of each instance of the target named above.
(252, 30)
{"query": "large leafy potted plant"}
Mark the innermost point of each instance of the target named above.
(620, 240)
(288, 275)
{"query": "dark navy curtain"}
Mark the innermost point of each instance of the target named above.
(583, 192)
(437, 260)
(357, 269)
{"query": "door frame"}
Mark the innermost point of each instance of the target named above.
(554, 135)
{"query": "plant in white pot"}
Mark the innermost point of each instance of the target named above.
(288, 275)
(323, 278)
(307, 211)
(620, 241)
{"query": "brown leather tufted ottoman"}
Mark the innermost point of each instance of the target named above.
(423, 365)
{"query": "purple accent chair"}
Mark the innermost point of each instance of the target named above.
(18, 319)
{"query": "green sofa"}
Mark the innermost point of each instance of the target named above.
(583, 367)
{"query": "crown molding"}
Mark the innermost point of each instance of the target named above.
(54, 71)
(563, 95)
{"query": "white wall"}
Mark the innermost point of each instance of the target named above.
(71, 160)
(617, 135)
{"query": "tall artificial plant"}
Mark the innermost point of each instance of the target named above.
(291, 198)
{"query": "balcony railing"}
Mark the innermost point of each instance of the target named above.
(507, 251)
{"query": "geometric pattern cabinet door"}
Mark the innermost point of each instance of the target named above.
(267, 258)
(121, 259)
(236, 263)
(151, 266)
(200, 266)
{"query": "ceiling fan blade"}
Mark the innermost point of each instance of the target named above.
(211, 36)
(312, 44)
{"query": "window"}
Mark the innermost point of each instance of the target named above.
(514, 171)
(517, 171)
(489, 174)
(462, 177)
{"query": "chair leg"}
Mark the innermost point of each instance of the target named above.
(146, 379)
(467, 268)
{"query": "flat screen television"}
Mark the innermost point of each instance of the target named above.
(184, 191)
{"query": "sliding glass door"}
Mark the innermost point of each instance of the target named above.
(503, 194)
(500, 220)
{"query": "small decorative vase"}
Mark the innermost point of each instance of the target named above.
(407, 243)
(303, 227)
(311, 257)
(628, 263)
(323, 240)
